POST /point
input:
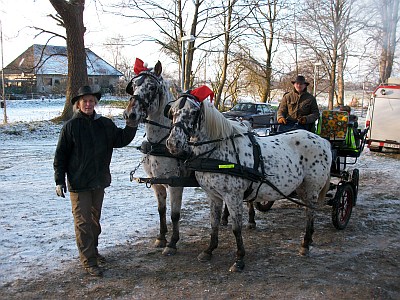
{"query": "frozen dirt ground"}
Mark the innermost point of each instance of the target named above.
(39, 257)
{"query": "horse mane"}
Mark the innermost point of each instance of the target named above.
(166, 96)
(217, 126)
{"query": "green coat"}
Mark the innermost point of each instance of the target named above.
(295, 105)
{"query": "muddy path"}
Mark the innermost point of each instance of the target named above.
(360, 262)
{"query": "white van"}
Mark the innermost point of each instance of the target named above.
(383, 117)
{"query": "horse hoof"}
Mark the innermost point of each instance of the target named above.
(160, 243)
(237, 267)
(168, 251)
(251, 225)
(204, 257)
(304, 251)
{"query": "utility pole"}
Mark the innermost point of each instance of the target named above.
(2, 76)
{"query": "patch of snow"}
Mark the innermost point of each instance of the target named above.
(36, 226)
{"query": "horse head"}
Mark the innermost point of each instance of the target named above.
(185, 114)
(146, 89)
(195, 120)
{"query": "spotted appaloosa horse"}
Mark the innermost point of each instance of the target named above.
(294, 161)
(150, 93)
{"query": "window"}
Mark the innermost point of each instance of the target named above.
(48, 81)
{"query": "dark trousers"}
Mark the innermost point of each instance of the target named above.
(292, 126)
(86, 209)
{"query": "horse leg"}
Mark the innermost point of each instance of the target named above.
(235, 206)
(215, 214)
(161, 196)
(310, 215)
(236, 209)
(307, 240)
(252, 213)
(175, 195)
(225, 216)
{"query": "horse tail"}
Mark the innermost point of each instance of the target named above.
(325, 189)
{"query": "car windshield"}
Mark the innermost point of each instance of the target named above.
(244, 107)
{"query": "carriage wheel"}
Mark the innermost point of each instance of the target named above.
(355, 178)
(342, 205)
(263, 206)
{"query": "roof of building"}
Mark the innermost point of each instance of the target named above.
(52, 60)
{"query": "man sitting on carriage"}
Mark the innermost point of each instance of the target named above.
(298, 109)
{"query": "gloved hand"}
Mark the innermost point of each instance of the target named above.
(131, 123)
(302, 120)
(60, 190)
(282, 120)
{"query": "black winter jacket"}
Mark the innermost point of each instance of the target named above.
(84, 151)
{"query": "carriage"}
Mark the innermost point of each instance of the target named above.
(347, 143)
(232, 164)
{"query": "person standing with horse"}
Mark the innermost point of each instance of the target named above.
(298, 108)
(83, 153)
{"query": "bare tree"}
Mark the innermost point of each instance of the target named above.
(171, 18)
(388, 12)
(263, 25)
(70, 16)
(326, 28)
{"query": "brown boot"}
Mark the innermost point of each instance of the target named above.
(101, 259)
(94, 271)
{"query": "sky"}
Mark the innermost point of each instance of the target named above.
(17, 15)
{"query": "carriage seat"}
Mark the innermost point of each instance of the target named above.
(342, 132)
(332, 126)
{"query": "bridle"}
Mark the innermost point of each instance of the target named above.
(137, 81)
(189, 132)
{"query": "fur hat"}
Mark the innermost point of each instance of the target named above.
(86, 90)
(300, 79)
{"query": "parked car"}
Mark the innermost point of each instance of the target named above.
(257, 113)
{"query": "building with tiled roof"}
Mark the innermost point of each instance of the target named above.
(44, 69)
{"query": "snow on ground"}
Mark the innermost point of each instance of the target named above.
(36, 226)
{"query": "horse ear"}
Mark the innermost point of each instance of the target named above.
(158, 68)
(129, 88)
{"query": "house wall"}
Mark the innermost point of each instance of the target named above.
(52, 84)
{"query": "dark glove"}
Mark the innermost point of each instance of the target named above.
(282, 120)
(131, 123)
(302, 120)
(60, 190)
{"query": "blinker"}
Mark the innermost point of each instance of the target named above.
(167, 111)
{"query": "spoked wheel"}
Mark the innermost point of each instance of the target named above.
(342, 205)
(355, 177)
(263, 206)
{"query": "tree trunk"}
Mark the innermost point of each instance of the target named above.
(71, 13)
(389, 12)
(227, 40)
(340, 79)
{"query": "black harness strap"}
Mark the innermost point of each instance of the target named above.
(156, 124)
(219, 166)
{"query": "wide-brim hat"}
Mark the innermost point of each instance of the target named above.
(300, 79)
(87, 90)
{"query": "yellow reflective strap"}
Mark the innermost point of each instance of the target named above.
(230, 166)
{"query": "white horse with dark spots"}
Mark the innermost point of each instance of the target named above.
(150, 93)
(247, 167)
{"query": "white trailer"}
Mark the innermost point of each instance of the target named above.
(383, 117)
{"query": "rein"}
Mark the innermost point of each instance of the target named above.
(218, 166)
